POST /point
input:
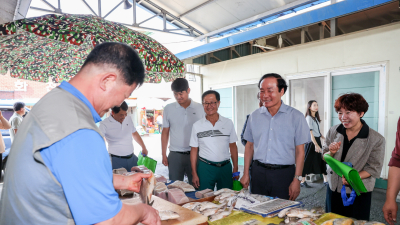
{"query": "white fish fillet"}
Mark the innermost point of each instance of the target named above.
(200, 194)
(283, 212)
(209, 212)
(160, 187)
(191, 205)
(219, 216)
(177, 196)
(207, 205)
(224, 190)
(224, 196)
(168, 215)
(182, 185)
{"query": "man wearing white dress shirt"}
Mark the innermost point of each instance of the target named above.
(119, 130)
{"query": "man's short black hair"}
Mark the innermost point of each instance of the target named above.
(217, 96)
(123, 106)
(281, 81)
(179, 85)
(18, 106)
(120, 56)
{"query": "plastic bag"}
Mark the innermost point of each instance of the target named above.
(237, 186)
(148, 162)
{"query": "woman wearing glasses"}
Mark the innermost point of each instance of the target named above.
(216, 138)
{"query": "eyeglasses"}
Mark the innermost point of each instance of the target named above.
(209, 104)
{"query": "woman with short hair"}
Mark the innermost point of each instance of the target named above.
(355, 142)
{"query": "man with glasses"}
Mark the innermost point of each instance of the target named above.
(178, 120)
(216, 137)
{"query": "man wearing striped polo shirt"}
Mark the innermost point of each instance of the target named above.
(216, 138)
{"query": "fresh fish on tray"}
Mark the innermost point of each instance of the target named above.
(212, 211)
(191, 205)
(200, 194)
(168, 215)
(220, 215)
(224, 190)
(146, 189)
(177, 196)
(185, 187)
(223, 196)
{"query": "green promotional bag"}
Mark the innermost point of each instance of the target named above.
(237, 186)
(351, 175)
(148, 162)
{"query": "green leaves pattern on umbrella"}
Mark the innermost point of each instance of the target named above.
(57, 45)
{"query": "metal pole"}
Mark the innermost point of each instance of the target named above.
(164, 21)
(134, 12)
(99, 6)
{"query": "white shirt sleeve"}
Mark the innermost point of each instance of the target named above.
(194, 140)
(233, 137)
(165, 117)
(102, 127)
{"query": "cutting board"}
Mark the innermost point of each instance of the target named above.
(187, 217)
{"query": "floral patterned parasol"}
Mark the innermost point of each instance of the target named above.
(57, 45)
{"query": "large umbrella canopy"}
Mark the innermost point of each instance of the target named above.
(55, 46)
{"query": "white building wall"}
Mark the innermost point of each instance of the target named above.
(368, 47)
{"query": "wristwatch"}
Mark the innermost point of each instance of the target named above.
(300, 178)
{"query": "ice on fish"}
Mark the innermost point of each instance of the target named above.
(191, 205)
(146, 189)
(177, 196)
(168, 215)
(200, 194)
(182, 185)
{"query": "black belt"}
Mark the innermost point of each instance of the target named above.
(184, 153)
(123, 157)
(272, 166)
(221, 164)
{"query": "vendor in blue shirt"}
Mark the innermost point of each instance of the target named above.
(59, 171)
(275, 134)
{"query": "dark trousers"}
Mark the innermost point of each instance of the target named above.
(124, 162)
(179, 165)
(1, 163)
(159, 128)
(273, 183)
(210, 175)
(360, 210)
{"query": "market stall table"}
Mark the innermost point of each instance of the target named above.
(186, 216)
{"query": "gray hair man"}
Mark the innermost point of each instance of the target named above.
(59, 170)
(275, 134)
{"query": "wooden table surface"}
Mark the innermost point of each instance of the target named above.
(187, 217)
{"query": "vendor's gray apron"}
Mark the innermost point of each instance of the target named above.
(31, 194)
